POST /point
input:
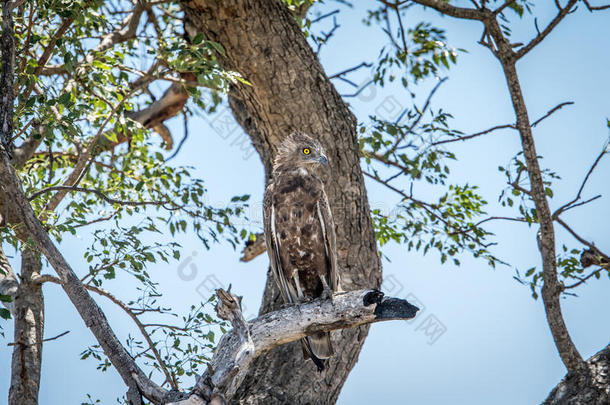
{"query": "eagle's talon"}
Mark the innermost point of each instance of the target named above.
(327, 294)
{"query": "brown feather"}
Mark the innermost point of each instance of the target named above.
(300, 233)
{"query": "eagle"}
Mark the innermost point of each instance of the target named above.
(300, 232)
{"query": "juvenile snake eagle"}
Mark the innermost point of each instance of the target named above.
(300, 233)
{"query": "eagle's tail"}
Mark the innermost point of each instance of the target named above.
(317, 347)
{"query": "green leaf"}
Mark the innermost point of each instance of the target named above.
(198, 38)
(65, 99)
(5, 313)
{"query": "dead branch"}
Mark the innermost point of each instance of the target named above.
(239, 347)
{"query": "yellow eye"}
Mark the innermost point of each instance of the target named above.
(306, 151)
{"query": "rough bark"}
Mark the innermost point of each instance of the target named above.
(29, 326)
(591, 386)
(8, 282)
(290, 91)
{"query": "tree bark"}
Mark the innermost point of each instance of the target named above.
(290, 91)
(8, 282)
(590, 386)
(551, 289)
(29, 326)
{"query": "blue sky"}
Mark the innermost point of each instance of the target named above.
(496, 346)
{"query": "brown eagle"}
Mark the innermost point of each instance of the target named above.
(300, 233)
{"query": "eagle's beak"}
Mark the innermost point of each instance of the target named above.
(322, 159)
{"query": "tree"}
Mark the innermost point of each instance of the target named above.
(82, 152)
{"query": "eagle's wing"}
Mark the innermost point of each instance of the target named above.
(273, 246)
(330, 239)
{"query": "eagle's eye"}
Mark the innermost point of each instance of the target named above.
(306, 151)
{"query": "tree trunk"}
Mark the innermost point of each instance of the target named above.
(29, 325)
(591, 386)
(290, 91)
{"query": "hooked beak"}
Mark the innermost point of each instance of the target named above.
(322, 159)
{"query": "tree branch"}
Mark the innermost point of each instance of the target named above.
(476, 134)
(445, 8)
(96, 192)
(239, 347)
(15, 199)
(571, 204)
(551, 111)
(560, 16)
(551, 289)
(595, 8)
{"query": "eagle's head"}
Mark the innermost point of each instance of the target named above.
(300, 150)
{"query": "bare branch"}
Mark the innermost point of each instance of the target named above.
(56, 337)
(584, 279)
(551, 111)
(579, 238)
(503, 6)
(560, 16)
(170, 104)
(595, 8)
(130, 313)
(352, 69)
(571, 204)
(96, 192)
(241, 346)
(445, 8)
(466, 137)
(323, 16)
(420, 114)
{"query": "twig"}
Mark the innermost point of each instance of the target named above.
(96, 192)
(466, 137)
(560, 16)
(349, 70)
(56, 337)
(570, 204)
(503, 6)
(551, 111)
(323, 16)
(584, 279)
(595, 8)
(580, 238)
(182, 141)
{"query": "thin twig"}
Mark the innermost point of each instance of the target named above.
(560, 16)
(551, 111)
(466, 137)
(96, 192)
(595, 8)
(570, 204)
